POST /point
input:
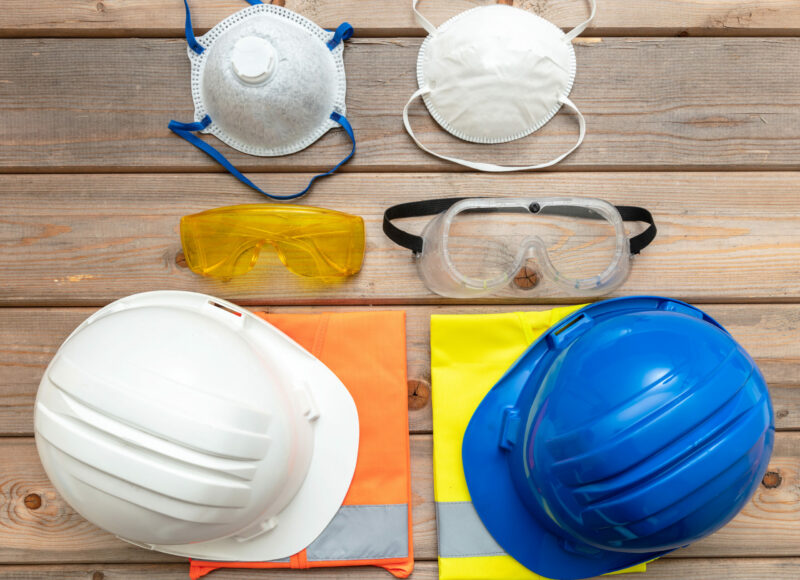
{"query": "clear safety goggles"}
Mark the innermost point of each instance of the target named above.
(311, 242)
(546, 246)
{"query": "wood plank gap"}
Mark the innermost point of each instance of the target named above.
(434, 167)
(146, 18)
(713, 568)
(407, 32)
(389, 302)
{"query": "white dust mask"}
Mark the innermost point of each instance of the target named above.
(266, 81)
(494, 74)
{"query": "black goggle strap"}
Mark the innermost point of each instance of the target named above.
(436, 206)
(631, 213)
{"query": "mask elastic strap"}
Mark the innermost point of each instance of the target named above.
(490, 167)
(342, 33)
(578, 30)
(436, 206)
(186, 131)
(421, 20)
(189, 30)
(575, 32)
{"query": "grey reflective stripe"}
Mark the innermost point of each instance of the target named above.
(282, 561)
(363, 532)
(461, 532)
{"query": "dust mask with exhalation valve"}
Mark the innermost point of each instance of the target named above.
(495, 74)
(268, 82)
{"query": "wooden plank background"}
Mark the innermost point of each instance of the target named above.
(704, 131)
(650, 103)
(88, 239)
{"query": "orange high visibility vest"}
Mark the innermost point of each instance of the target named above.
(367, 351)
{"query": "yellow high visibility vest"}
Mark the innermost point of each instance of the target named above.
(469, 354)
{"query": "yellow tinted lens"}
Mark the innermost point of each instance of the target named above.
(310, 241)
(323, 254)
(213, 249)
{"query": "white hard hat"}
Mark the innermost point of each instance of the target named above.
(185, 424)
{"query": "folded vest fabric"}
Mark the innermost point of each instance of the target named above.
(367, 351)
(469, 354)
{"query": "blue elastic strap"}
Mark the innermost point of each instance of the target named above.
(190, 39)
(344, 32)
(186, 131)
(199, 126)
(189, 31)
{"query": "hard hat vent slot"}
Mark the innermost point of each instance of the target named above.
(225, 308)
(570, 331)
(566, 327)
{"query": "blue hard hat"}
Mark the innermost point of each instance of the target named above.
(634, 427)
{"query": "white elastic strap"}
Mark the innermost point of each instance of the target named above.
(490, 167)
(575, 32)
(422, 21)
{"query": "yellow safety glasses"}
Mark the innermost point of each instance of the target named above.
(312, 242)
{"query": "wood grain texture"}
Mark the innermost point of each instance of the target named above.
(30, 337)
(88, 240)
(664, 569)
(92, 186)
(768, 526)
(650, 103)
(98, 18)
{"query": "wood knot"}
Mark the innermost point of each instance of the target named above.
(526, 278)
(98, 576)
(419, 393)
(772, 479)
(180, 260)
(33, 501)
(100, 7)
(683, 34)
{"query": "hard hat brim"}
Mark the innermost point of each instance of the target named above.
(323, 491)
(492, 489)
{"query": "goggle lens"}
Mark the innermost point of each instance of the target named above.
(490, 247)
